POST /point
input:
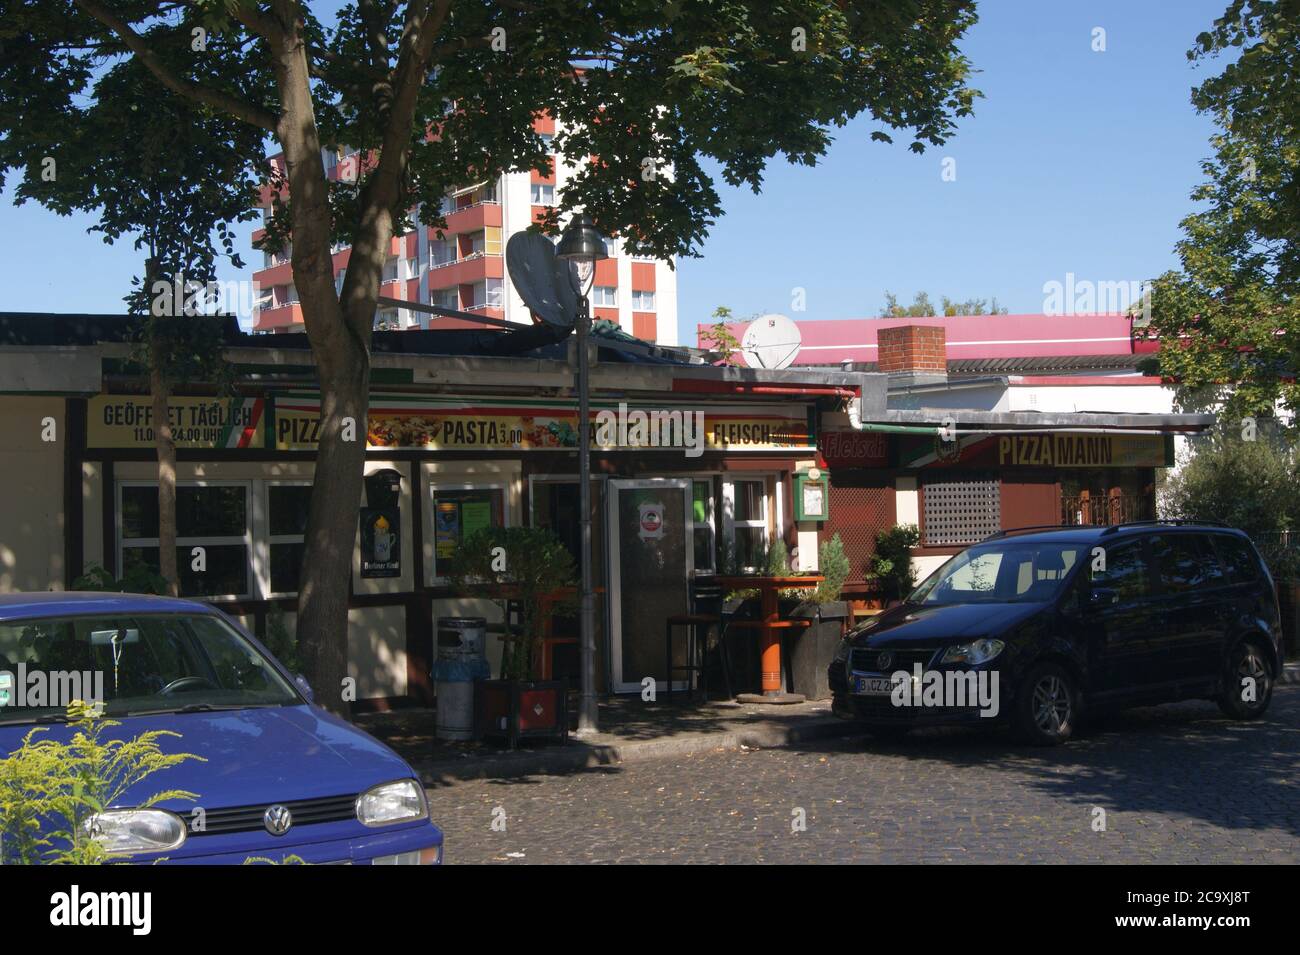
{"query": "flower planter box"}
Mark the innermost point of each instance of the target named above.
(515, 710)
(809, 652)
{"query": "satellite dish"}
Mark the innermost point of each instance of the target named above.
(770, 341)
(544, 282)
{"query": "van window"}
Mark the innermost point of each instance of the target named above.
(1185, 561)
(1238, 558)
(1125, 572)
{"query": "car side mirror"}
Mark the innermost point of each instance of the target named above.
(304, 687)
(1099, 597)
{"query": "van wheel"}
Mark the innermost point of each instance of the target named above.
(1247, 666)
(1047, 706)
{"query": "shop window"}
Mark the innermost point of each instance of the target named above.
(457, 514)
(747, 522)
(212, 516)
(959, 511)
(286, 509)
(702, 526)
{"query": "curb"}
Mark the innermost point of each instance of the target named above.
(578, 755)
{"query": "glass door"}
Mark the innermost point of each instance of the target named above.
(650, 548)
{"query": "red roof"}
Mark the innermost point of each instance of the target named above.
(971, 337)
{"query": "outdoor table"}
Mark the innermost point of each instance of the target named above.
(769, 627)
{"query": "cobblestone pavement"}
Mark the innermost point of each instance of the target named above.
(1178, 785)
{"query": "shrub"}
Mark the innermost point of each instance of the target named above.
(49, 790)
(833, 565)
(891, 564)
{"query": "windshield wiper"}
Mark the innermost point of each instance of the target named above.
(47, 718)
(202, 708)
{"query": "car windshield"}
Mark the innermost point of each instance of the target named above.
(138, 663)
(1004, 571)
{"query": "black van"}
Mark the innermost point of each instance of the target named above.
(1036, 626)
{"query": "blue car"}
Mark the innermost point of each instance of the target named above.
(280, 778)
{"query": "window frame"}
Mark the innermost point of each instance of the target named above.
(729, 522)
(251, 576)
(272, 539)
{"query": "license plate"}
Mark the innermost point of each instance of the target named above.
(874, 685)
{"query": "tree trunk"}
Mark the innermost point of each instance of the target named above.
(166, 448)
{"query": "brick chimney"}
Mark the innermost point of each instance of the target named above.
(916, 352)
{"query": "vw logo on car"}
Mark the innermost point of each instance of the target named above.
(277, 819)
(884, 661)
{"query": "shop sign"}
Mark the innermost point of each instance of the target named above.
(501, 425)
(1049, 450)
(854, 449)
(126, 421)
(381, 542)
(651, 519)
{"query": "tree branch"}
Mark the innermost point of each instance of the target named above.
(218, 99)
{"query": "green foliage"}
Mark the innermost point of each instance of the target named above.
(282, 643)
(1229, 319)
(50, 790)
(922, 307)
(832, 564)
(776, 562)
(529, 563)
(891, 564)
(138, 579)
(719, 338)
(1250, 485)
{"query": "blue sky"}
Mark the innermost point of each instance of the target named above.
(1075, 161)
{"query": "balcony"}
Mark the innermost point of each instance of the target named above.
(472, 218)
(281, 274)
(278, 318)
(466, 271)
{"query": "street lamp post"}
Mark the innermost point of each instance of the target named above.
(582, 245)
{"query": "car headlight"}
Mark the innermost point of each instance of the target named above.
(126, 831)
(843, 650)
(973, 653)
(388, 803)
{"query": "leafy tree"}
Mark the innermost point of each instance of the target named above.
(922, 307)
(1251, 485)
(437, 93)
(528, 564)
(891, 563)
(1228, 320)
(720, 340)
(169, 176)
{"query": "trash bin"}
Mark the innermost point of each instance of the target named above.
(460, 662)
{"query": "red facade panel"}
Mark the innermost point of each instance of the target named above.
(645, 325)
(643, 276)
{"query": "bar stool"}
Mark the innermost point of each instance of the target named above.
(708, 610)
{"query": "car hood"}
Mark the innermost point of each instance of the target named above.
(252, 756)
(943, 624)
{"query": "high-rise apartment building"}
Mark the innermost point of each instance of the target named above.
(464, 266)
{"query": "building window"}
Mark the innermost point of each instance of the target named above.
(286, 508)
(548, 143)
(442, 252)
(445, 297)
(746, 524)
(543, 194)
(387, 320)
(959, 511)
(213, 516)
(390, 270)
(458, 513)
(604, 296)
(703, 529)
(643, 301)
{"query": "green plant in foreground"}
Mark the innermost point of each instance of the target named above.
(49, 790)
(891, 564)
(833, 565)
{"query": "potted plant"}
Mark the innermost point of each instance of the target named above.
(891, 564)
(812, 650)
(527, 567)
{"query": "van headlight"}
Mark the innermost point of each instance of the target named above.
(383, 805)
(127, 831)
(973, 653)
